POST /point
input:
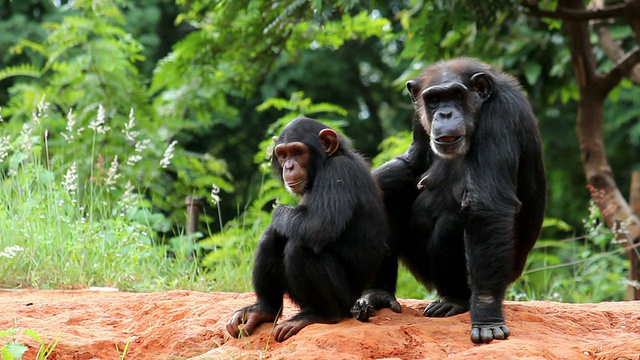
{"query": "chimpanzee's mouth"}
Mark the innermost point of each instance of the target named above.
(448, 140)
(294, 183)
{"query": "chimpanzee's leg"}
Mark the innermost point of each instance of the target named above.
(319, 284)
(489, 238)
(448, 267)
(269, 284)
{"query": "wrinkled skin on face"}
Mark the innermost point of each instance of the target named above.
(447, 109)
(293, 157)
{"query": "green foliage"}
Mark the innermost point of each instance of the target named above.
(335, 33)
(20, 70)
(230, 67)
(300, 105)
(409, 288)
(79, 229)
(81, 50)
(91, 66)
(216, 99)
(589, 268)
(14, 349)
(392, 147)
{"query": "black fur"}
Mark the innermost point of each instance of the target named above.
(467, 233)
(324, 252)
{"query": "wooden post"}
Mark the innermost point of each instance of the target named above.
(193, 213)
(633, 292)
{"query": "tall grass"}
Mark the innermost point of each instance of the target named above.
(588, 268)
(76, 223)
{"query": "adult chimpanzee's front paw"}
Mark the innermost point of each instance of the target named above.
(446, 307)
(485, 333)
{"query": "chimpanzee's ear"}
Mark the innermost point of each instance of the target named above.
(414, 88)
(482, 85)
(329, 140)
(275, 139)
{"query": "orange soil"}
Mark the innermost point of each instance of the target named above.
(191, 325)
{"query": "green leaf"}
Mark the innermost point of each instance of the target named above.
(450, 39)
(32, 334)
(532, 72)
(20, 70)
(8, 332)
(6, 353)
(326, 107)
(554, 222)
(33, 46)
(46, 178)
(13, 351)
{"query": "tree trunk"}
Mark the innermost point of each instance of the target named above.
(594, 89)
(633, 291)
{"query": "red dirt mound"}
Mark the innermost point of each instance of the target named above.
(191, 325)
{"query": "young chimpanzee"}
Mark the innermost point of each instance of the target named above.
(326, 250)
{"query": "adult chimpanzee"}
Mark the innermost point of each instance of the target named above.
(324, 252)
(465, 203)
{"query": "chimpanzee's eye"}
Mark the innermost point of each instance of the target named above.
(432, 100)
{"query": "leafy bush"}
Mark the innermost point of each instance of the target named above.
(14, 349)
(90, 75)
(66, 226)
(589, 268)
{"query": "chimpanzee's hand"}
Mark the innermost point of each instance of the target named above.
(374, 299)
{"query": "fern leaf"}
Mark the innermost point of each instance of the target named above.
(326, 107)
(20, 70)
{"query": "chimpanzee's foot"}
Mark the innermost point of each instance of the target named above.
(487, 320)
(250, 317)
(288, 328)
(485, 333)
(446, 307)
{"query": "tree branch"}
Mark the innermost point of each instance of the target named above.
(573, 14)
(622, 69)
(613, 49)
(632, 15)
(582, 58)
